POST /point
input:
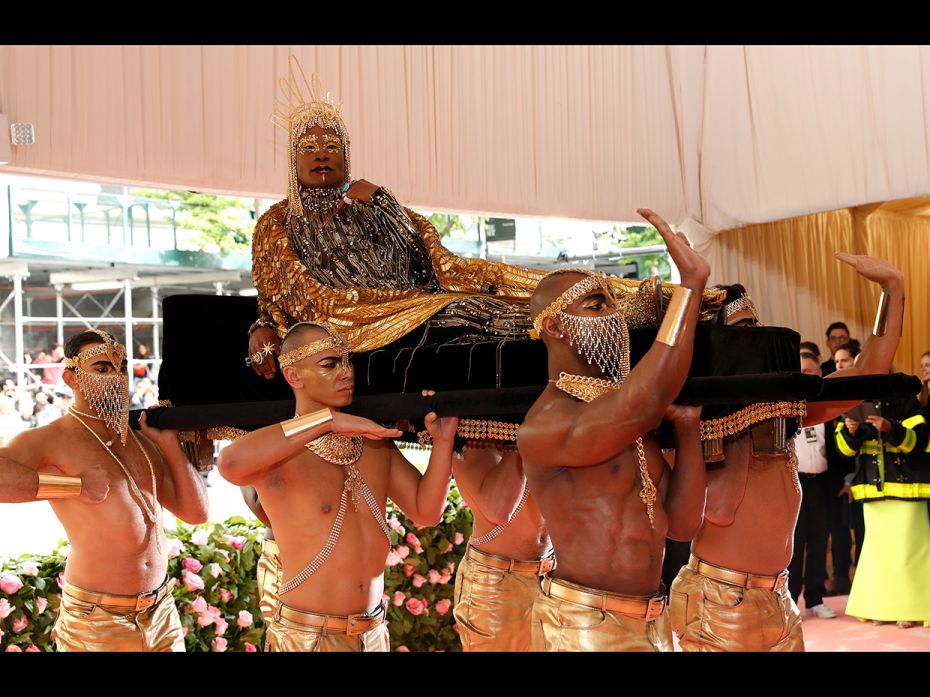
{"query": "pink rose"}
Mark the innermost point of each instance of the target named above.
(394, 524)
(393, 559)
(398, 598)
(60, 579)
(402, 649)
(215, 570)
(245, 619)
(32, 648)
(415, 607)
(205, 619)
(447, 549)
(200, 537)
(250, 648)
(442, 606)
(13, 648)
(408, 570)
(403, 551)
(41, 604)
(192, 582)
(238, 543)
(418, 581)
(433, 576)
(218, 645)
(413, 539)
(445, 577)
(175, 547)
(184, 631)
(225, 595)
(20, 624)
(30, 568)
(458, 538)
(451, 567)
(192, 564)
(10, 584)
(455, 627)
(221, 626)
(199, 604)
(5, 608)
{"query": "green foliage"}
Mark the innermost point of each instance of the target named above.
(224, 556)
(224, 223)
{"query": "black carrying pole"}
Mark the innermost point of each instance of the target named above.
(734, 389)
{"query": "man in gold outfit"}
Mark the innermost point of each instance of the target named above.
(324, 490)
(498, 579)
(597, 472)
(733, 595)
(116, 595)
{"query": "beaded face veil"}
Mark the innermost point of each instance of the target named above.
(602, 340)
(301, 105)
(107, 395)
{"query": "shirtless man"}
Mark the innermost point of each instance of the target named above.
(324, 490)
(498, 579)
(733, 594)
(116, 595)
(595, 468)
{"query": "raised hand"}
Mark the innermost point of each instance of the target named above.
(876, 270)
(692, 266)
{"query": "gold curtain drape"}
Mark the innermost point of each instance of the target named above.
(788, 268)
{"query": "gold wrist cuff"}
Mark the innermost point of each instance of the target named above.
(881, 315)
(673, 323)
(299, 424)
(56, 486)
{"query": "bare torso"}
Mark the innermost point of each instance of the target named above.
(114, 548)
(525, 536)
(761, 538)
(301, 499)
(598, 522)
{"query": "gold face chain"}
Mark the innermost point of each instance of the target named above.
(588, 389)
(151, 512)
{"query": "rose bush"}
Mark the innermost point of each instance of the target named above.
(216, 591)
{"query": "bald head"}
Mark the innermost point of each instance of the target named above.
(301, 334)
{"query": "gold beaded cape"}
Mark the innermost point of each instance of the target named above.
(370, 318)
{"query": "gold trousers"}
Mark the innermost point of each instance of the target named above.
(571, 617)
(717, 609)
(269, 580)
(91, 621)
(494, 599)
(295, 630)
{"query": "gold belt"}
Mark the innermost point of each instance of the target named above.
(143, 601)
(532, 568)
(643, 608)
(738, 578)
(350, 625)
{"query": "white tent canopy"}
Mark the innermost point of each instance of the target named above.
(712, 137)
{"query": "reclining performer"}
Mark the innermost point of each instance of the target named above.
(324, 489)
(733, 594)
(597, 472)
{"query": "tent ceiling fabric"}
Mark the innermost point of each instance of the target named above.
(715, 136)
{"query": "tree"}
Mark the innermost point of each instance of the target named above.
(225, 223)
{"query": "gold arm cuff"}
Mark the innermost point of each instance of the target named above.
(674, 321)
(299, 424)
(56, 486)
(881, 315)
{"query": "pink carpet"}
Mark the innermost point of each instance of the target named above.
(847, 633)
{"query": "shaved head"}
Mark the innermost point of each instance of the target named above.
(551, 287)
(301, 334)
